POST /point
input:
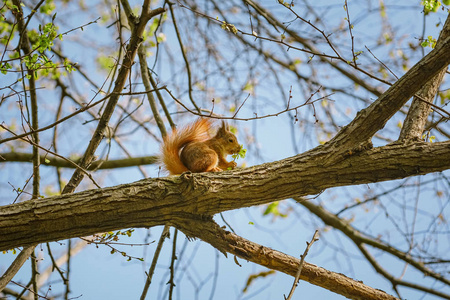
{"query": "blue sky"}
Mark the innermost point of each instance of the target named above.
(97, 274)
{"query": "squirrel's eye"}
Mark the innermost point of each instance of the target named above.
(230, 140)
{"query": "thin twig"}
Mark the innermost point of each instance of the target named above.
(300, 266)
(382, 63)
(307, 102)
(15, 266)
(350, 27)
(27, 288)
(55, 265)
(151, 271)
(186, 61)
(172, 263)
(76, 166)
(161, 101)
(34, 275)
(146, 80)
(69, 256)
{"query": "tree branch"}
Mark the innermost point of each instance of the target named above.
(359, 239)
(302, 261)
(24, 44)
(152, 202)
(373, 118)
(15, 266)
(133, 45)
(54, 161)
(226, 241)
(420, 107)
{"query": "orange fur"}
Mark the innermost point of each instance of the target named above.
(191, 149)
(172, 144)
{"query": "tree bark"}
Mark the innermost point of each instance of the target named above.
(226, 241)
(158, 201)
(189, 201)
(373, 118)
(421, 105)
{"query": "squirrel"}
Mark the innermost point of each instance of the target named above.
(192, 149)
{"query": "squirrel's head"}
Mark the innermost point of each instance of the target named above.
(230, 142)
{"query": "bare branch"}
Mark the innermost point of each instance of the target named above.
(359, 239)
(226, 241)
(302, 260)
(15, 266)
(413, 126)
(135, 41)
(373, 118)
(151, 271)
(55, 161)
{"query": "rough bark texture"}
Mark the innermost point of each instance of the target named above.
(373, 118)
(152, 202)
(227, 241)
(189, 201)
(420, 107)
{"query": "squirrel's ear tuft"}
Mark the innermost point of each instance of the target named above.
(222, 131)
(225, 126)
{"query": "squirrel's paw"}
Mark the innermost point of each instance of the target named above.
(232, 165)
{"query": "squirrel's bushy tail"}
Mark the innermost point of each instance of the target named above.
(173, 143)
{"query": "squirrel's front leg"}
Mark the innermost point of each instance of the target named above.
(225, 165)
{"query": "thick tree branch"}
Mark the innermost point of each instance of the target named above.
(152, 202)
(135, 40)
(373, 118)
(226, 241)
(420, 107)
(133, 45)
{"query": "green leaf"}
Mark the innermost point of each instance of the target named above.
(240, 154)
(430, 6)
(273, 209)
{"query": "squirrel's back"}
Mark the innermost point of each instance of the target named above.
(173, 143)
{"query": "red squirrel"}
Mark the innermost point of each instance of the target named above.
(192, 149)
